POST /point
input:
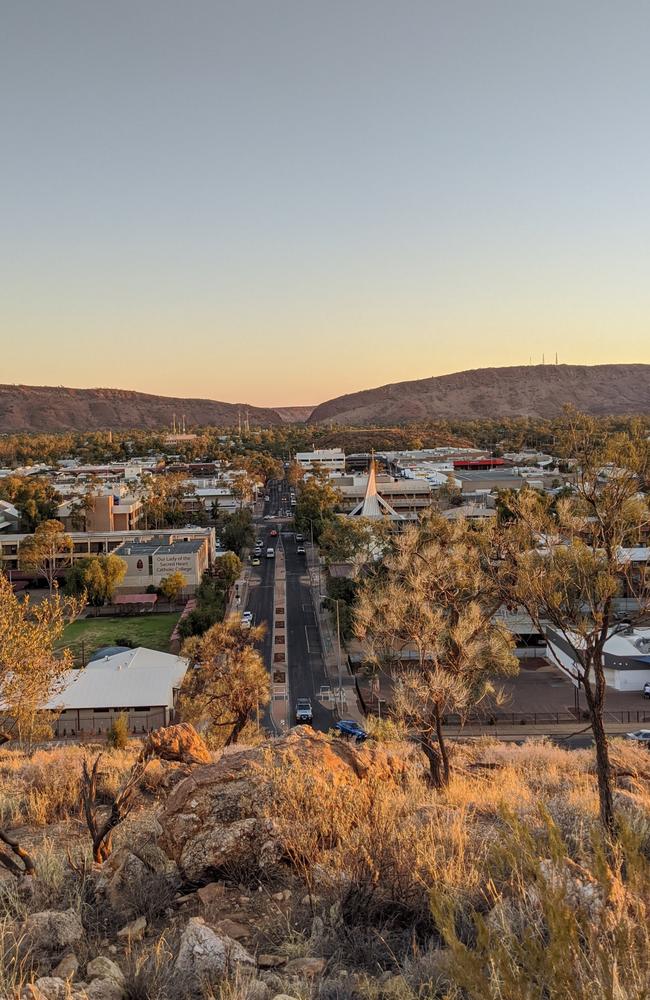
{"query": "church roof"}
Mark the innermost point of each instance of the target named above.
(373, 505)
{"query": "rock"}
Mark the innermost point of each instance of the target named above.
(67, 967)
(202, 953)
(271, 961)
(210, 893)
(120, 878)
(51, 932)
(133, 931)
(180, 743)
(581, 890)
(317, 929)
(104, 968)
(284, 996)
(218, 815)
(232, 929)
(105, 989)
(308, 967)
(282, 897)
(52, 988)
(257, 990)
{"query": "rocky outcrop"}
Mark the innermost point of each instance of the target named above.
(51, 933)
(216, 815)
(179, 743)
(204, 954)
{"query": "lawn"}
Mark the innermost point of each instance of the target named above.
(153, 631)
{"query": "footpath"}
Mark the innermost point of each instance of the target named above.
(345, 701)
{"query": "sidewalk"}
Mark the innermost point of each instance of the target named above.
(347, 706)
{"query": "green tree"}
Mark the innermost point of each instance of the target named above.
(354, 539)
(118, 734)
(172, 586)
(569, 563)
(316, 505)
(227, 569)
(229, 684)
(98, 577)
(437, 598)
(47, 551)
(35, 499)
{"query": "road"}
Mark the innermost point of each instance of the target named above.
(305, 662)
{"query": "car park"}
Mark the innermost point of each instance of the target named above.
(304, 711)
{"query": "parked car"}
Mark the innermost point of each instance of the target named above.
(641, 736)
(646, 689)
(255, 561)
(247, 619)
(304, 710)
(351, 729)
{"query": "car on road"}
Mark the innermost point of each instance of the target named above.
(255, 561)
(352, 729)
(273, 533)
(270, 553)
(301, 550)
(247, 619)
(646, 689)
(267, 498)
(304, 711)
(641, 736)
(299, 537)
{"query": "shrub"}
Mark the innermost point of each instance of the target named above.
(118, 734)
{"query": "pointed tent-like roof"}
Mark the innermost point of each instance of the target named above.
(372, 504)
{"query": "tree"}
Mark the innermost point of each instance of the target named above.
(227, 569)
(97, 577)
(569, 563)
(437, 597)
(34, 498)
(316, 504)
(172, 586)
(229, 684)
(236, 530)
(354, 539)
(31, 671)
(47, 551)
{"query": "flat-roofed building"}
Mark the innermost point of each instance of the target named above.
(148, 563)
(327, 459)
(141, 683)
(626, 657)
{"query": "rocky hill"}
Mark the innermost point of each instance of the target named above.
(57, 408)
(294, 414)
(528, 391)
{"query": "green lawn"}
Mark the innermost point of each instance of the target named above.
(153, 631)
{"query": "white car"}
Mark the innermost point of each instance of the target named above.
(270, 553)
(247, 619)
(641, 736)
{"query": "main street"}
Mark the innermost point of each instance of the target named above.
(306, 667)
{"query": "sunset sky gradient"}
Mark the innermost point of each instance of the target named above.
(280, 202)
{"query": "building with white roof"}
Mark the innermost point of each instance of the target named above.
(329, 459)
(141, 683)
(626, 657)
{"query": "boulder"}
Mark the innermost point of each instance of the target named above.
(217, 814)
(179, 743)
(133, 931)
(67, 967)
(104, 968)
(305, 967)
(203, 954)
(105, 989)
(119, 880)
(232, 929)
(50, 933)
(51, 988)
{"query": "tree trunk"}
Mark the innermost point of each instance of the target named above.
(444, 756)
(236, 730)
(432, 754)
(595, 698)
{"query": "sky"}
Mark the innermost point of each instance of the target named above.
(280, 201)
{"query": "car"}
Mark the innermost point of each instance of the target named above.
(352, 729)
(304, 711)
(273, 533)
(267, 498)
(301, 550)
(270, 553)
(299, 537)
(641, 736)
(247, 619)
(255, 561)
(646, 689)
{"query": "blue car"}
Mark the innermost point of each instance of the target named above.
(352, 729)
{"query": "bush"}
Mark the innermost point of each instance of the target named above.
(118, 734)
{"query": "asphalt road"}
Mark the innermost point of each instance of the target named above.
(306, 666)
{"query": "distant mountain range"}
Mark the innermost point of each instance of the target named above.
(530, 391)
(49, 408)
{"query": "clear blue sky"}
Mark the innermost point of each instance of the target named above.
(282, 201)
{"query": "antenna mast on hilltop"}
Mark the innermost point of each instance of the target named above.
(173, 423)
(246, 424)
(556, 357)
(239, 421)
